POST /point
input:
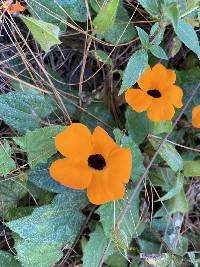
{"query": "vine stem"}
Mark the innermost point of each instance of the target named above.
(176, 144)
(134, 192)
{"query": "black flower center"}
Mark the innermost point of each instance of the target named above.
(96, 162)
(154, 93)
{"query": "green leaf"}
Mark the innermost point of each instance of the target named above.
(181, 242)
(40, 177)
(7, 164)
(182, 246)
(171, 10)
(162, 127)
(8, 260)
(136, 263)
(131, 226)
(192, 168)
(163, 177)
(188, 36)
(175, 190)
(102, 56)
(158, 51)
(75, 9)
(55, 224)
(169, 154)
(157, 33)
(97, 241)
(137, 164)
(118, 135)
(151, 6)
(147, 246)
(39, 144)
(116, 260)
(105, 18)
(96, 6)
(24, 110)
(159, 260)
(175, 46)
(161, 219)
(192, 3)
(101, 116)
(139, 126)
(187, 79)
(11, 190)
(17, 212)
(190, 10)
(46, 34)
(49, 11)
(134, 69)
(179, 203)
(36, 254)
(144, 37)
(122, 30)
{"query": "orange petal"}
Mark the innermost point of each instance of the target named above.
(160, 69)
(120, 164)
(138, 100)
(161, 76)
(102, 142)
(145, 80)
(70, 173)
(171, 76)
(160, 111)
(103, 188)
(174, 95)
(75, 142)
(196, 117)
(15, 8)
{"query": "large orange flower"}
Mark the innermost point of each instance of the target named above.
(158, 95)
(196, 117)
(93, 161)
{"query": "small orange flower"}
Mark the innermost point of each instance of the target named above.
(93, 161)
(157, 94)
(196, 117)
(12, 8)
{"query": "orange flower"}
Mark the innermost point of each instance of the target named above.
(196, 117)
(157, 94)
(12, 8)
(93, 161)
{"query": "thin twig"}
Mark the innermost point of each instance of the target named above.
(128, 203)
(176, 144)
(109, 55)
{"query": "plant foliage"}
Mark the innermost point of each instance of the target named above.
(65, 61)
